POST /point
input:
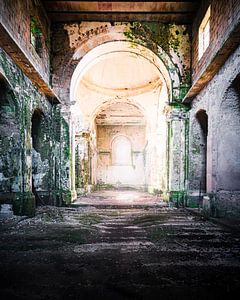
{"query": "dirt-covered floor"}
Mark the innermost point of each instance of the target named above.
(117, 252)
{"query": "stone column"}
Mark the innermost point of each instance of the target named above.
(82, 150)
(65, 154)
(72, 161)
(24, 203)
(177, 118)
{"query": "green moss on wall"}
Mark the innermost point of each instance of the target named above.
(152, 35)
(16, 146)
(171, 39)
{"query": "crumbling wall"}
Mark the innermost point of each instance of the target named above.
(10, 149)
(16, 141)
(220, 100)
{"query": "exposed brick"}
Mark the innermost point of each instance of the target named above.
(225, 16)
(15, 17)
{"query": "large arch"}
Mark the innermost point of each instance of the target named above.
(152, 98)
(83, 38)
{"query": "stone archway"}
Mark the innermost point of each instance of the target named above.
(169, 44)
(202, 119)
(114, 80)
(167, 47)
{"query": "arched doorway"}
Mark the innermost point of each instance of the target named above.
(198, 143)
(202, 119)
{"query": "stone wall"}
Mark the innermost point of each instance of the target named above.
(17, 156)
(9, 140)
(220, 99)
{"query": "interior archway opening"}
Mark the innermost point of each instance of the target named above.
(120, 95)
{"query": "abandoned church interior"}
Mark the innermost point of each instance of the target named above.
(139, 96)
(132, 94)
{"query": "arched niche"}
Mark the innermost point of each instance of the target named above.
(121, 151)
(40, 157)
(120, 143)
(198, 152)
(202, 120)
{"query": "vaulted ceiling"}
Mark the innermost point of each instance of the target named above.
(181, 12)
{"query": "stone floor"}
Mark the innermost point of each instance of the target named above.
(120, 199)
(109, 250)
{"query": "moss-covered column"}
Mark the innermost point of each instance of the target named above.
(24, 203)
(55, 156)
(65, 159)
(82, 166)
(177, 153)
(80, 151)
(72, 153)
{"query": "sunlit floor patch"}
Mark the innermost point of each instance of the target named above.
(121, 198)
(133, 246)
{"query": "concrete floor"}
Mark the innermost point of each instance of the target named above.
(117, 251)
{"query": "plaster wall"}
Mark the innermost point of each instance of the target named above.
(109, 171)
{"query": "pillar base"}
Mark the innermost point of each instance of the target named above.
(178, 198)
(68, 196)
(24, 204)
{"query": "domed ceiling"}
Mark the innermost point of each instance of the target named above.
(120, 72)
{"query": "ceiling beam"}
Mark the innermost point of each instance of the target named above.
(177, 1)
(119, 12)
(115, 17)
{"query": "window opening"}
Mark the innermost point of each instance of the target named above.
(204, 33)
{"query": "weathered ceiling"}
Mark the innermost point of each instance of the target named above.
(122, 73)
(121, 11)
